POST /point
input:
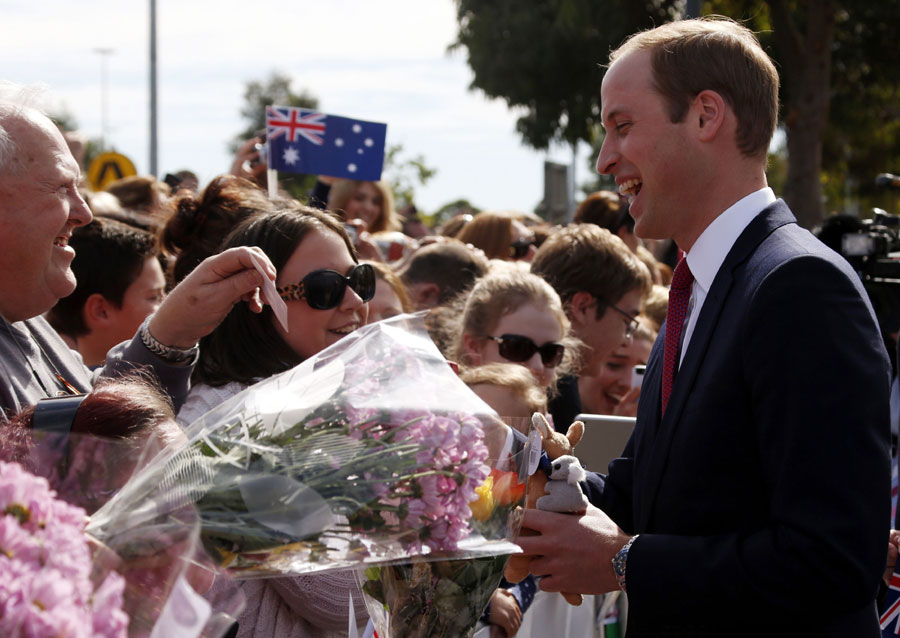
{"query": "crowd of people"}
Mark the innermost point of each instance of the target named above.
(756, 482)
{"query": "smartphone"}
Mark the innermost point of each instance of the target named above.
(637, 375)
(352, 232)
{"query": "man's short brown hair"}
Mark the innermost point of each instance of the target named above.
(717, 54)
(587, 258)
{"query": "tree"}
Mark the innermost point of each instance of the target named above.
(405, 174)
(258, 95)
(543, 56)
(276, 89)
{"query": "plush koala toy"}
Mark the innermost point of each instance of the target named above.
(563, 492)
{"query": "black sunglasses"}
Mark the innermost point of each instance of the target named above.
(519, 349)
(324, 289)
(519, 248)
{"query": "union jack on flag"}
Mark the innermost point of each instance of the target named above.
(890, 617)
(288, 121)
(305, 141)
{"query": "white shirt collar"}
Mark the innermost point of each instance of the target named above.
(714, 244)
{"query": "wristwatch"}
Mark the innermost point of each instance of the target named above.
(620, 561)
(177, 356)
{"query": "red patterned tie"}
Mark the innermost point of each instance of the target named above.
(679, 296)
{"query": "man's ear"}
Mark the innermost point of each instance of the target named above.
(97, 312)
(708, 111)
(472, 346)
(582, 306)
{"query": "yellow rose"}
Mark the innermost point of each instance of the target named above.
(484, 505)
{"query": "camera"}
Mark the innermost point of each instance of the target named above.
(874, 252)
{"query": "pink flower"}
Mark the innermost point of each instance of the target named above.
(109, 619)
(45, 566)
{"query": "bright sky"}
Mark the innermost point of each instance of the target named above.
(385, 61)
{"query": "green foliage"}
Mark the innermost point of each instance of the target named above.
(405, 174)
(276, 89)
(862, 136)
(544, 57)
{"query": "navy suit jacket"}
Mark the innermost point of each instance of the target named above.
(762, 497)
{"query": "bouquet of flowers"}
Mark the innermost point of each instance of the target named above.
(47, 587)
(368, 453)
(56, 566)
(445, 598)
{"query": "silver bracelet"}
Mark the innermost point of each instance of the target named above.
(178, 356)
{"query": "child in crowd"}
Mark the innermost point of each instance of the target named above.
(515, 317)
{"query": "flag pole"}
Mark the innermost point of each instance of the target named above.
(271, 175)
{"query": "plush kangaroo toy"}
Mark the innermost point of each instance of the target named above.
(555, 444)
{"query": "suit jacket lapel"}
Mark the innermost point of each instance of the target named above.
(655, 437)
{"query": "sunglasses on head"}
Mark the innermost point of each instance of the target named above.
(324, 289)
(519, 349)
(519, 248)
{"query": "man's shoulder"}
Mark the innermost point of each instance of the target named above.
(776, 241)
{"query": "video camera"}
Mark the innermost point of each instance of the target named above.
(874, 252)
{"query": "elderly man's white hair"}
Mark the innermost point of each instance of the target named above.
(14, 100)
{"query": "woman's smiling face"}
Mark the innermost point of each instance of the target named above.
(311, 330)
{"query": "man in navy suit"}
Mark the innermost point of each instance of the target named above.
(753, 498)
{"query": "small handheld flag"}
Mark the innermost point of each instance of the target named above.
(306, 141)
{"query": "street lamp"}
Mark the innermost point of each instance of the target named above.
(104, 53)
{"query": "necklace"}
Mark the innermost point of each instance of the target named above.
(68, 387)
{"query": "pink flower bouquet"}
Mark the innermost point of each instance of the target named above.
(46, 587)
(369, 453)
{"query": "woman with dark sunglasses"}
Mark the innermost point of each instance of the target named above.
(326, 290)
(515, 317)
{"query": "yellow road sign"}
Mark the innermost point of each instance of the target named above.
(107, 168)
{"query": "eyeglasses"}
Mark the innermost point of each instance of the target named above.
(631, 325)
(324, 289)
(519, 248)
(519, 349)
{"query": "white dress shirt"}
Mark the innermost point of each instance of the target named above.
(711, 248)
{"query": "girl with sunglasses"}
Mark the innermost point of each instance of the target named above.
(326, 290)
(515, 317)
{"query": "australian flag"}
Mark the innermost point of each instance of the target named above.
(305, 141)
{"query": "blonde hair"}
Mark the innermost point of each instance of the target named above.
(500, 293)
(342, 191)
(513, 377)
(655, 306)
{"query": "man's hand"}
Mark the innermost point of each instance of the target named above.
(573, 553)
(892, 553)
(202, 300)
(505, 613)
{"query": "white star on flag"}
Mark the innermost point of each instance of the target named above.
(290, 155)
